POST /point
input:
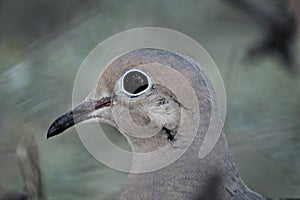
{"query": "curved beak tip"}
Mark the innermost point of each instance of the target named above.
(76, 115)
(51, 132)
(61, 124)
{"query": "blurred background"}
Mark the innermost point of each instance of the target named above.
(254, 44)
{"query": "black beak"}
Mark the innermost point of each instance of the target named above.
(78, 114)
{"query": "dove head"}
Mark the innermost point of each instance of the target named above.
(165, 105)
(147, 94)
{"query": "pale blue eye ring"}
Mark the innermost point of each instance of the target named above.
(135, 82)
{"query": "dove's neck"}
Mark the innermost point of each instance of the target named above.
(186, 177)
(176, 171)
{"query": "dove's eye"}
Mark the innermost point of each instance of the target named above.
(135, 82)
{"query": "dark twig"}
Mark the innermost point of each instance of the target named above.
(280, 30)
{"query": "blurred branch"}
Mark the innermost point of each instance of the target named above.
(29, 164)
(280, 30)
(28, 157)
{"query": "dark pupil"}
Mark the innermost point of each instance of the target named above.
(135, 82)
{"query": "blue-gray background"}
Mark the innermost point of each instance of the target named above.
(43, 42)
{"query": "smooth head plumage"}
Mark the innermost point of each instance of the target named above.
(183, 116)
